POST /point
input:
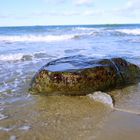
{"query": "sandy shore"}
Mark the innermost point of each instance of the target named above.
(71, 118)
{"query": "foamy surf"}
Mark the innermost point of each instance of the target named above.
(87, 29)
(13, 137)
(36, 38)
(25, 128)
(7, 129)
(107, 100)
(2, 116)
(129, 31)
(15, 57)
(11, 57)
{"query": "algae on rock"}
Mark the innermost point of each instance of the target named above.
(100, 75)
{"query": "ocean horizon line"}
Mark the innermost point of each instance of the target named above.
(66, 25)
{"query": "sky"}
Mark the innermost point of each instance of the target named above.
(68, 12)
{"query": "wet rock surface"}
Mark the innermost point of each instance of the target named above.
(81, 76)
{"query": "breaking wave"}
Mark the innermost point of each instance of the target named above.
(15, 57)
(87, 29)
(56, 38)
(129, 31)
(39, 38)
(11, 57)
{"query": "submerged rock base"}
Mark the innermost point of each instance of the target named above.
(100, 75)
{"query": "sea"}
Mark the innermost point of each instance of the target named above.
(24, 50)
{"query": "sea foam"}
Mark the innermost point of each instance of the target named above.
(25, 128)
(15, 57)
(11, 57)
(36, 38)
(2, 116)
(129, 31)
(86, 29)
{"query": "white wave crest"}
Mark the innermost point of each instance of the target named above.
(2, 116)
(7, 129)
(129, 31)
(36, 38)
(85, 29)
(11, 57)
(25, 128)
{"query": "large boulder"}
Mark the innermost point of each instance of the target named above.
(81, 77)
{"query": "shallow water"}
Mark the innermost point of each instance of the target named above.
(55, 118)
(24, 50)
(65, 117)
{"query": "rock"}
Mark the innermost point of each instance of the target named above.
(81, 76)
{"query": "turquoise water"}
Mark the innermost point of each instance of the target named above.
(23, 50)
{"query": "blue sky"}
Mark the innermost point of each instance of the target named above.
(67, 12)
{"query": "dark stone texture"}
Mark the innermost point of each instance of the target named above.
(84, 77)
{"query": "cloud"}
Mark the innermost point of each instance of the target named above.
(130, 9)
(86, 12)
(4, 16)
(54, 14)
(83, 2)
(75, 2)
(93, 12)
(49, 14)
(133, 4)
(55, 1)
